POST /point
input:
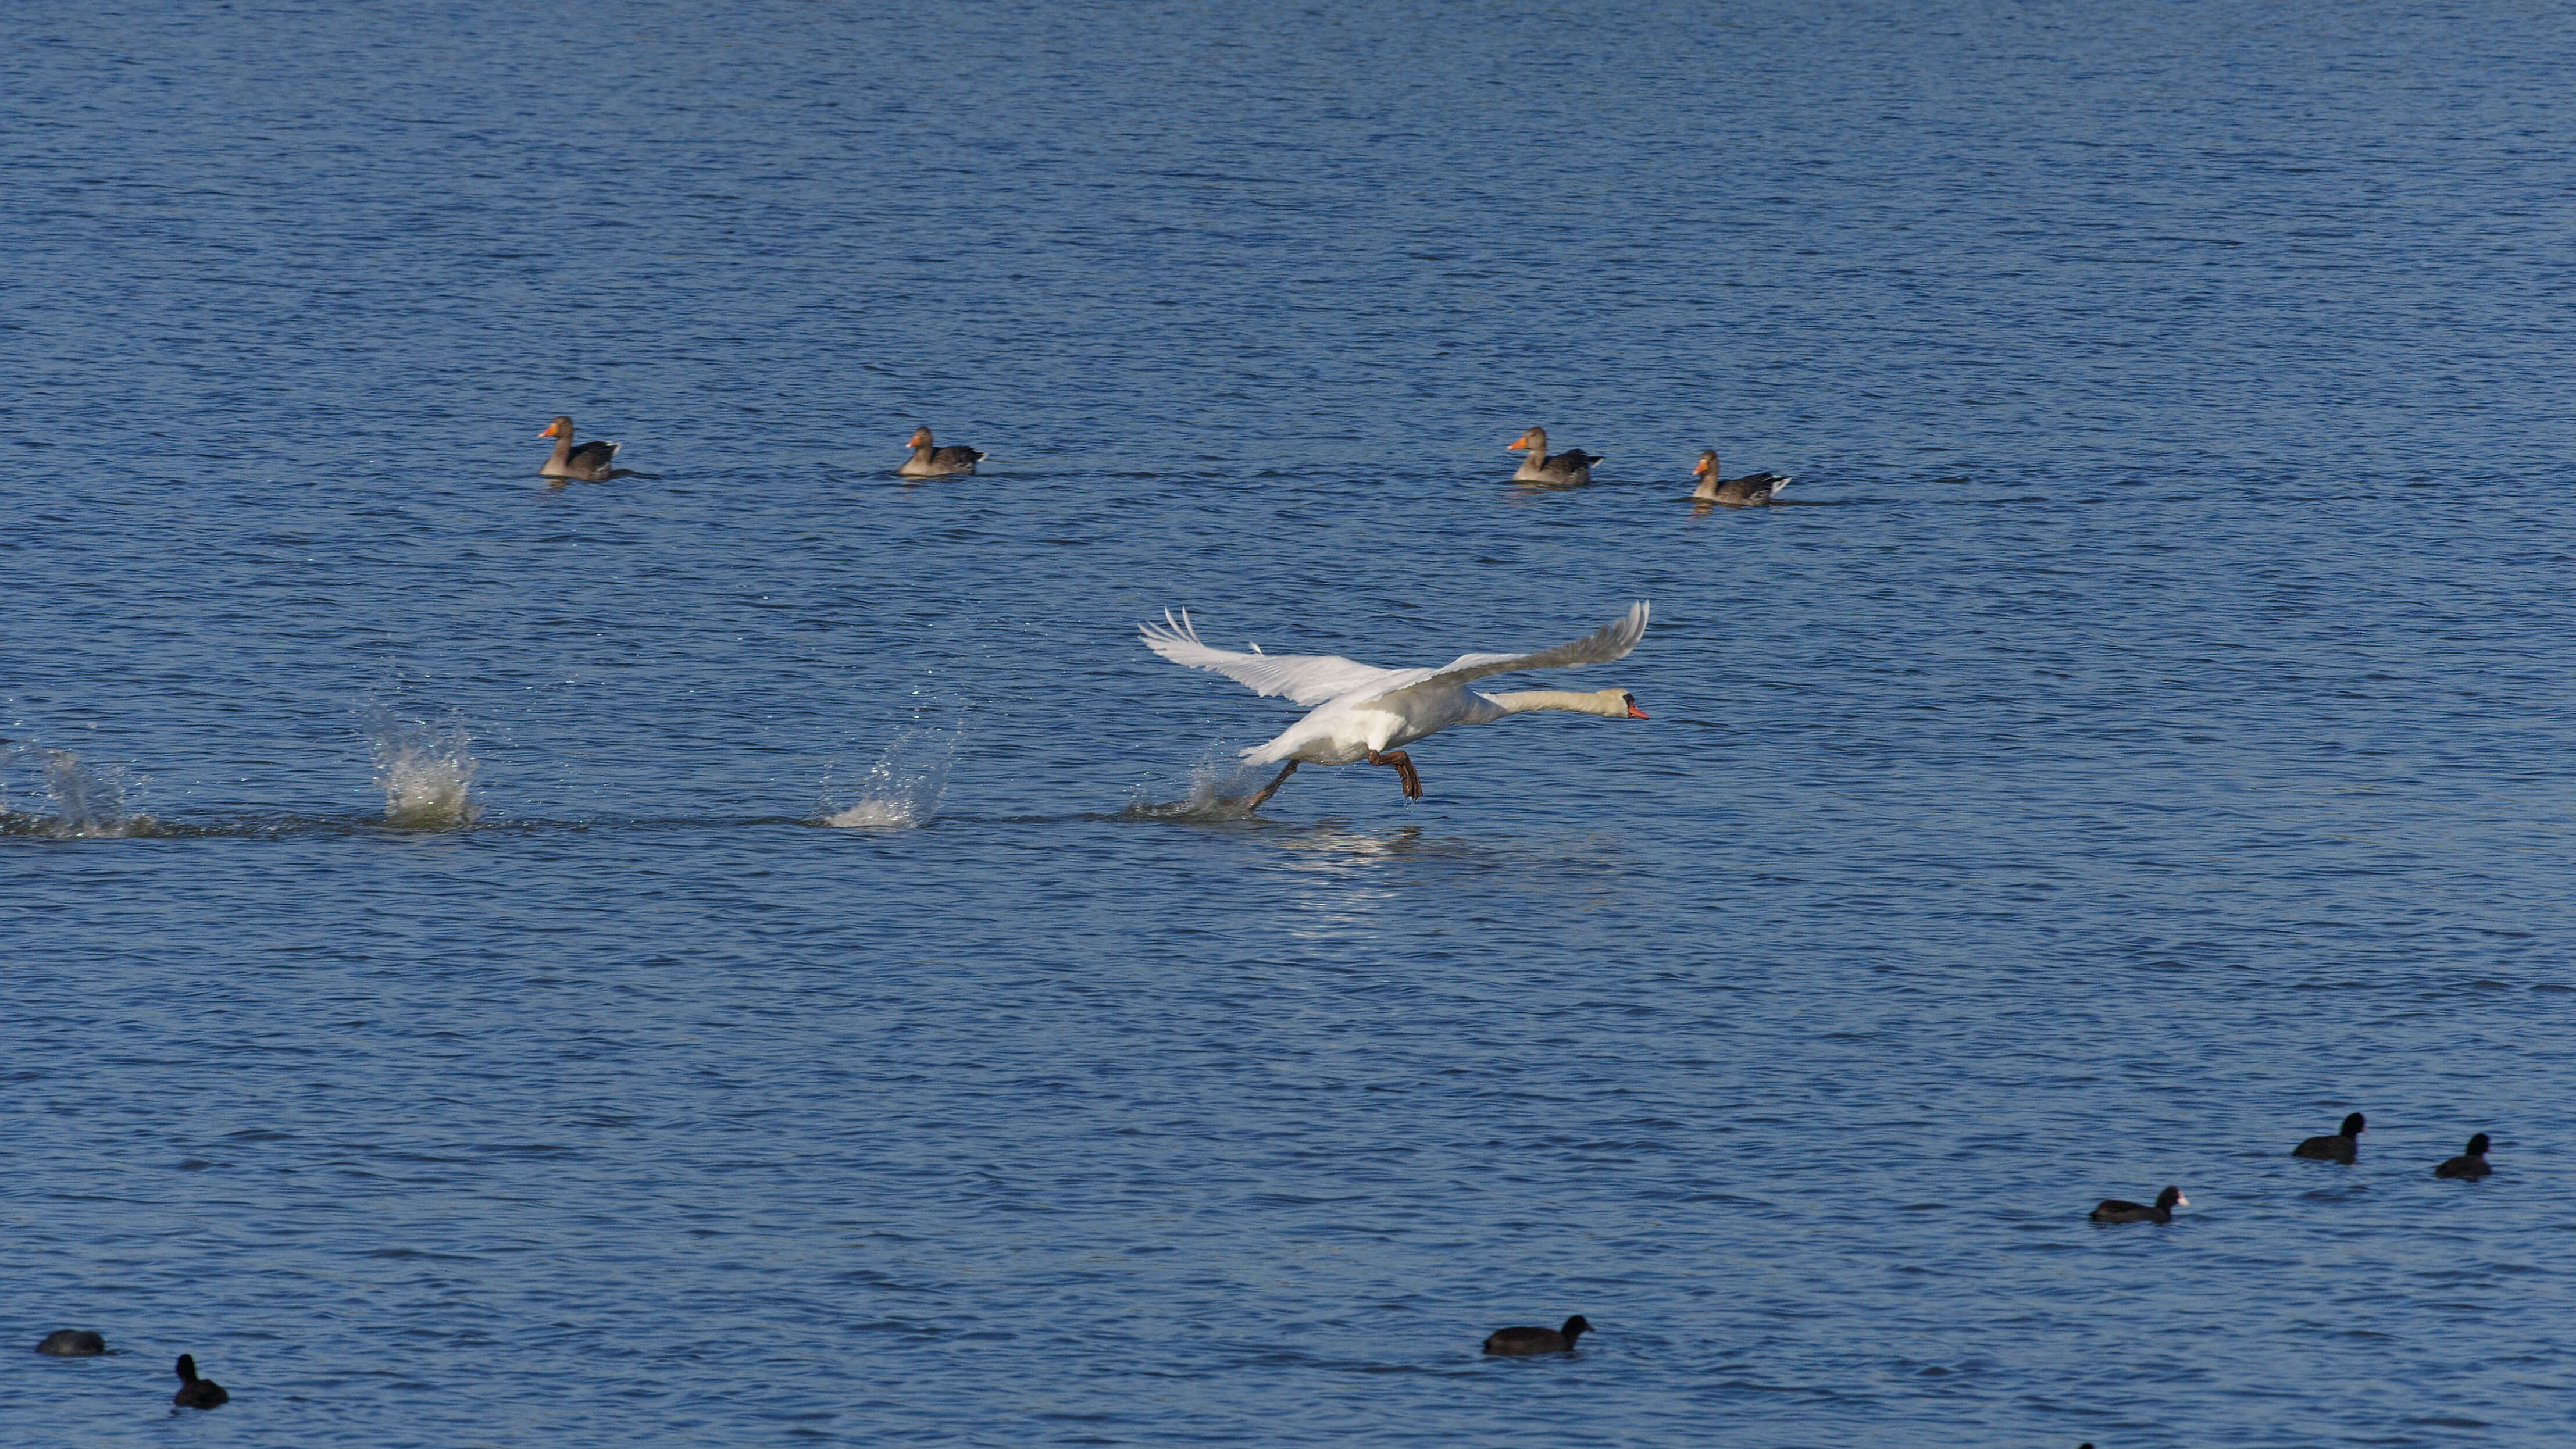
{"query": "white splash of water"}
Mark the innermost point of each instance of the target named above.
(902, 789)
(1221, 785)
(426, 771)
(89, 800)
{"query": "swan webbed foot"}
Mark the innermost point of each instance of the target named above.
(1258, 800)
(1402, 764)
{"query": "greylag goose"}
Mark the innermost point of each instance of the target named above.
(1566, 469)
(2342, 1147)
(932, 462)
(194, 1392)
(2470, 1163)
(2117, 1210)
(1750, 491)
(591, 462)
(1538, 1340)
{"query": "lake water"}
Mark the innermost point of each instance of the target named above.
(2149, 738)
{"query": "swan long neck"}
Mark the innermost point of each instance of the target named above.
(1609, 703)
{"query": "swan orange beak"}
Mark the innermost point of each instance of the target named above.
(1636, 713)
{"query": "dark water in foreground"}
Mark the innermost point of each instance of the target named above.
(2150, 739)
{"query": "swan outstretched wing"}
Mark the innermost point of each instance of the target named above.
(1303, 678)
(1611, 641)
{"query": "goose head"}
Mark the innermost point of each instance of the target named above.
(560, 428)
(1706, 467)
(920, 438)
(1535, 440)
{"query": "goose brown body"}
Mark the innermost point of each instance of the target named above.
(1750, 491)
(591, 462)
(930, 461)
(1565, 470)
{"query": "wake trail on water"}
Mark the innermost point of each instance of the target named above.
(903, 788)
(425, 770)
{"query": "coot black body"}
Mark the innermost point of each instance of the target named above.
(194, 1392)
(2472, 1162)
(1537, 1340)
(72, 1343)
(2341, 1147)
(2117, 1210)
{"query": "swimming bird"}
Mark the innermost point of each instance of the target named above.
(591, 462)
(194, 1392)
(1750, 491)
(2114, 1210)
(1538, 1340)
(2340, 1147)
(929, 462)
(2472, 1161)
(1362, 712)
(72, 1343)
(1566, 469)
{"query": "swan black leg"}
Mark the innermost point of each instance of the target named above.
(1257, 801)
(1402, 764)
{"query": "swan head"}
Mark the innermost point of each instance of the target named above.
(1707, 464)
(1534, 440)
(920, 438)
(559, 428)
(1610, 704)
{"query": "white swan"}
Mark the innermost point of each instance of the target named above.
(1364, 712)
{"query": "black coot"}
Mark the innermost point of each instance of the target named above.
(2472, 1162)
(1538, 1340)
(2114, 1210)
(194, 1392)
(2341, 1147)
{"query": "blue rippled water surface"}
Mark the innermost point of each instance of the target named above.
(745, 953)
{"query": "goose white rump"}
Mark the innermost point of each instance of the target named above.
(1362, 712)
